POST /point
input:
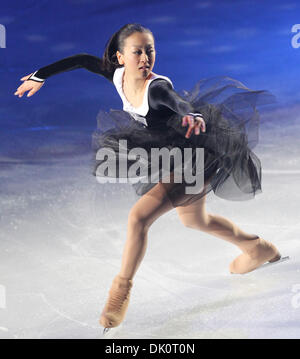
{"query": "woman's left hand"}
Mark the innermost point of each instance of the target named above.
(195, 123)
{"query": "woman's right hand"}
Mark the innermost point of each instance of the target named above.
(30, 85)
(195, 123)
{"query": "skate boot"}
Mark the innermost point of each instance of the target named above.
(117, 303)
(255, 253)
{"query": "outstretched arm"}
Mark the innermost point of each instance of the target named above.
(89, 62)
(163, 94)
(34, 81)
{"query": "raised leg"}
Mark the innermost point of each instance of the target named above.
(256, 250)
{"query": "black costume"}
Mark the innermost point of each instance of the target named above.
(231, 169)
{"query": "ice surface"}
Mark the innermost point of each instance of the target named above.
(62, 236)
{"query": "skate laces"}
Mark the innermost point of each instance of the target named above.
(118, 297)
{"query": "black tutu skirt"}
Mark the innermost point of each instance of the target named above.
(229, 167)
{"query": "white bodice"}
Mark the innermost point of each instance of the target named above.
(138, 113)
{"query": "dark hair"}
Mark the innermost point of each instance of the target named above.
(116, 43)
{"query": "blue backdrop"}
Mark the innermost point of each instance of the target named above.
(248, 40)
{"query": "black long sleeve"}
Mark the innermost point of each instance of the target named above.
(161, 94)
(89, 62)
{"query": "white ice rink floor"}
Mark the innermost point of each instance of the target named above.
(62, 236)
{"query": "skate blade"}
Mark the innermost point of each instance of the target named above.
(282, 259)
(106, 330)
(111, 332)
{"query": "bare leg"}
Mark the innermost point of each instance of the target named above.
(256, 250)
(146, 210)
(195, 216)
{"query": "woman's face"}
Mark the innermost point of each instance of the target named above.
(138, 55)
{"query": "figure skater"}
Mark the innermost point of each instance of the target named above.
(222, 118)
